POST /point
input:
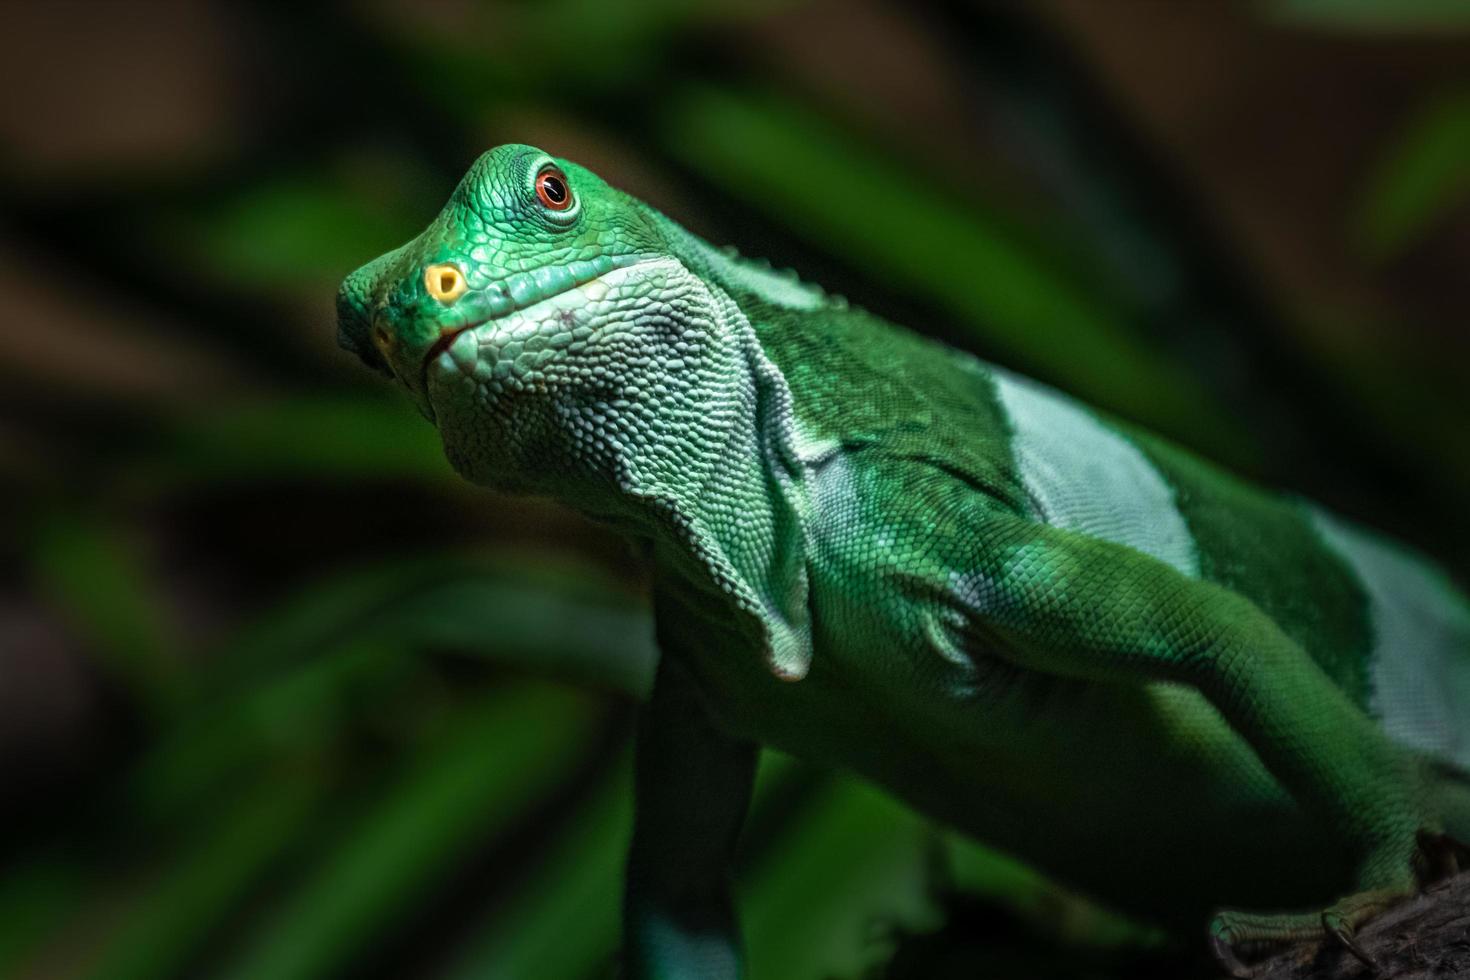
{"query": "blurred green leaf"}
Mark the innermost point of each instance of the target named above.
(558, 616)
(854, 865)
(593, 39)
(1409, 405)
(165, 924)
(283, 680)
(1421, 179)
(601, 644)
(301, 229)
(490, 762)
(93, 574)
(977, 870)
(217, 745)
(565, 922)
(551, 49)
(1377, 16)
(34, 896)
(338, 437)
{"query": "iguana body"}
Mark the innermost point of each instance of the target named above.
(1061, 635)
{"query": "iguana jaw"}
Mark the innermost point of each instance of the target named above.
(522, 292)
(539, 322)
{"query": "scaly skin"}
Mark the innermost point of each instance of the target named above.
(1062, 636)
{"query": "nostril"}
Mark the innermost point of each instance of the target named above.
(355, 330)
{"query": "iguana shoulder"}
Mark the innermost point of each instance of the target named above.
(858, 382)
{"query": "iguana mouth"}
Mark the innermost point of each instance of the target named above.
(524, 290)
(446, 339)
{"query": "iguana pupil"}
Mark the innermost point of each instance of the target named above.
(552, 190)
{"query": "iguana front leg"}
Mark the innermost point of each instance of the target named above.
(1056, 601)
(692, 786)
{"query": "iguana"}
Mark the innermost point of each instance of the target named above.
(1032, 622)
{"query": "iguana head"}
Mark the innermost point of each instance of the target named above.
(540, 321)
(567, 339)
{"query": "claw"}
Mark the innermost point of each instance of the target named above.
(1225, 955)
(1230, 928)
(1339, 928)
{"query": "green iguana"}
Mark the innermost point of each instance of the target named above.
(1054, 632)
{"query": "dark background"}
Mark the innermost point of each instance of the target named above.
(281, 697)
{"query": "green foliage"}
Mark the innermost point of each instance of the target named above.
(491, 762)
(93, 574)
(1422, 178)
(1373, 15)
(575, 892)
(290, 230)
(301, 436)
(181, 902)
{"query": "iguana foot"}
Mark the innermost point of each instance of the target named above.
(1231, 929)
(1438, 856)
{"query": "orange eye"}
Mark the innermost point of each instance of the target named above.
(552, 190)
(445, 282)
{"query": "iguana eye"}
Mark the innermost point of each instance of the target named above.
(444, 282)
(552, 190)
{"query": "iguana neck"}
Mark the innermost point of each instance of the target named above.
(723, 503)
